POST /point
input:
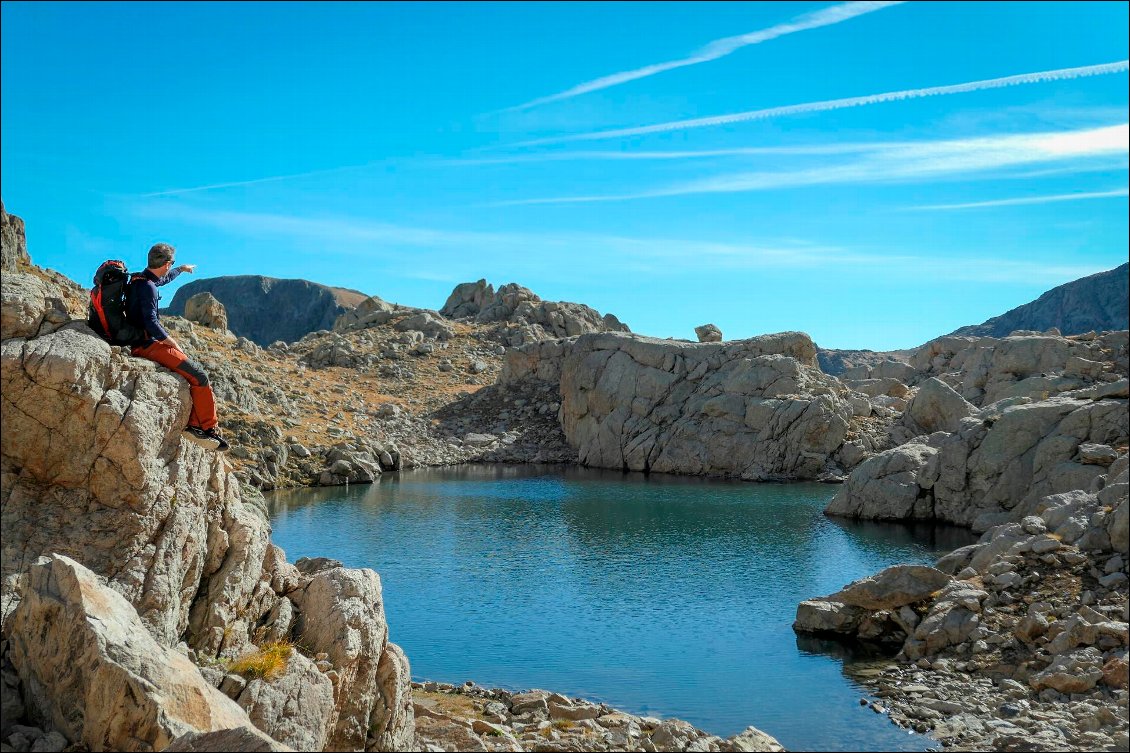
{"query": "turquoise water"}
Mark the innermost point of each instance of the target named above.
(661, 595)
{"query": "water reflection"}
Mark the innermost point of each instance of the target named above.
(659, 594)
(939, 537)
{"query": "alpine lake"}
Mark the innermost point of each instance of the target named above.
(660, 595)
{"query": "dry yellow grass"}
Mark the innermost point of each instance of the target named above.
(448, 703)
(269, 661)
(340, 390)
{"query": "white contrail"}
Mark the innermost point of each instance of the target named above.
(254, 181)
(1063, 74)
(719, 48)
(905, 161)
(751, 151)
(1030, 200)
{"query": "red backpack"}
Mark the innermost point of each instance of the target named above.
(109, 305)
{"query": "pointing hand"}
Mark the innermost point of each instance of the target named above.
(187, 268)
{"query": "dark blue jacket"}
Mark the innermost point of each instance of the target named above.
(143, 298)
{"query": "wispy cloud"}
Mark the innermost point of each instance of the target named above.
(1028, 200)
(1062, 74)
(254, 181)
(904, 161)
(333, 229)
(458, 254)
(691, 154)
(718, 48)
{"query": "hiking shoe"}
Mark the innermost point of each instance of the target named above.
(206, 439)
(222, 446)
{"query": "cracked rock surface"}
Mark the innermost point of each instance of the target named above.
(153, 544)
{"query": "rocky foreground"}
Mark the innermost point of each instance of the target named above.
(1017, 642)
(469, 718)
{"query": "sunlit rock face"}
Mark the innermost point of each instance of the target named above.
(755, 409)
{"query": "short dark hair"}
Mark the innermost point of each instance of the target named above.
(160, 253)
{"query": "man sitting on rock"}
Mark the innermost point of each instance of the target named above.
(158, 345)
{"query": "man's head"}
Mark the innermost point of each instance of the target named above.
(161, 258)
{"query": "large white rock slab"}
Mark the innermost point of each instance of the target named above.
(757, 409)
(92, 671)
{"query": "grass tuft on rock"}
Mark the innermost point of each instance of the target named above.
(267, 662)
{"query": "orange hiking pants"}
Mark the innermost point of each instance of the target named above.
(203, 401)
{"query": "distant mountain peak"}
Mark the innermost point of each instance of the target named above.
(1098, 302)
(265, 309)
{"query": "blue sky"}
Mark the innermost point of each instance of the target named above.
(874, 174)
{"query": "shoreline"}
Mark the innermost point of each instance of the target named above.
(469, 717)
(846, 693)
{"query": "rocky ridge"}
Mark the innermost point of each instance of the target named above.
(527, 317)
(265, 309)
(758, 409)
(1097, 302)
(996, 424)
(1018, 642)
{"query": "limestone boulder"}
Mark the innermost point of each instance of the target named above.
(951, 619)
(427, 322)
(393, 718)
(92, 671)
(468, 299)
(708, 333)
(986, 369)
(886, 486)
(1073, 672)
(35, 301)
(22, 304)
(1097, 454)
(865, 364)
(341, 613)
(527, 318)
(295, 707)
(886, 387)
(936, 407)
(204, 308)
(1028, 452)
(335, 350)
(753, 739)
(372, 311)
(94, 467)
(237, 740)
(13, 243)
(756, 409)
(892, 369)
(893, 587)
(827, 616)
(995, 467)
